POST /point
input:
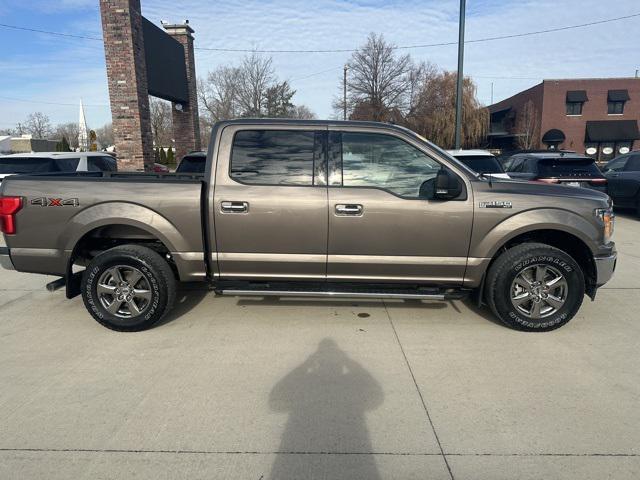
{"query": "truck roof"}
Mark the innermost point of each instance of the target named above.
(290, 121)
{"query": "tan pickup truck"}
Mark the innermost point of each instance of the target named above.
(312, 208)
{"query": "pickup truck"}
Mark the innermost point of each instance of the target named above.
(315, 209)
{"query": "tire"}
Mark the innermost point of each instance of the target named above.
(513, 293)
(136, 277)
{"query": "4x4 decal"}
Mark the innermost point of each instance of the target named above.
(55, 202)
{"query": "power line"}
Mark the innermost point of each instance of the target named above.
(24, 100)
(350, 50)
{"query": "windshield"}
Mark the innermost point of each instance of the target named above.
(192, 165)
(481, 163)
(567, 167)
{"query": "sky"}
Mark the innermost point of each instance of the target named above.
(50, 74)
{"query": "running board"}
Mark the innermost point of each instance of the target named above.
(333, 294)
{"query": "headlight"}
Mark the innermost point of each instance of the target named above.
(607, 218)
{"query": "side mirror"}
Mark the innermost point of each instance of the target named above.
(448, 185)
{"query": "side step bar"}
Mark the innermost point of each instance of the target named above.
(333, 294)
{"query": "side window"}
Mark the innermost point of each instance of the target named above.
(530, 166)
(633, 165)
(67, 164)
(617, 165)
(387, 162)
(515, 164)
(94, 164)
(274, 157)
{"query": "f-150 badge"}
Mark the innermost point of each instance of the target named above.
(495, 204)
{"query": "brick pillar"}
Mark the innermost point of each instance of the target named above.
(186, 123)
(127, 79)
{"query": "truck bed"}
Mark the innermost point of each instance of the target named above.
(60, 209)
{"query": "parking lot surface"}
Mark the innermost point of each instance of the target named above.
(253, 388)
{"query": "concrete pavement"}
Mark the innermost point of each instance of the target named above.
(248, 388)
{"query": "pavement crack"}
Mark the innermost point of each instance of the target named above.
(415, 383)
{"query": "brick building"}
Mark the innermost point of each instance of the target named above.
(595, 116)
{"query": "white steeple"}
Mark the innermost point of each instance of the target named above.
(83, 132)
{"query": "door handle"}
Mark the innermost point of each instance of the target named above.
(349, 209)
(234, 207)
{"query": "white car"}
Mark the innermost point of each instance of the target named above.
(50, 162)
(481, 161)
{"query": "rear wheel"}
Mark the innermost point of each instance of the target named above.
(535, 287)
(128, 288)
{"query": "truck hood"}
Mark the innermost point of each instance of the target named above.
(527, 187)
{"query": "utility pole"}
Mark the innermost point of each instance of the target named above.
(460, 74)
(344, 94)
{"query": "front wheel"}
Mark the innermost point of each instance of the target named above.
(128, 288)
(535, 287)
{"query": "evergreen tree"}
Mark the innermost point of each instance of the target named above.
(163, 156)
(171, 156)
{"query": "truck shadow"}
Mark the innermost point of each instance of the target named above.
(326, 398)
(188, 297)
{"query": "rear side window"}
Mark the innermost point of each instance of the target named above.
(563, 167)
(633, 165)
(27, 165)
(481, 163)
(617, 165)
(193, 164)
(273, 157)
(101, 164)
(67, 164)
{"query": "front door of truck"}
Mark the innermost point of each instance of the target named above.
(270, 202)
(382, 225)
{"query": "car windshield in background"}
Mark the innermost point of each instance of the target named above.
(568, 167)
(481, 163)
(27, 165)
(193, 164)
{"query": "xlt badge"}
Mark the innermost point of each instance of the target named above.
(495, 204)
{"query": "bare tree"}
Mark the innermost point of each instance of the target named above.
(432, 112)
(38, 125)
(250, 90)
(527, 126)
(378, 81)
(255, 77)
(301, 112)
(218, 94)
(104, 135)
(161, 124)
(68, 131)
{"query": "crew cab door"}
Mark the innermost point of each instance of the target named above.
(270, 202)
(382, 226)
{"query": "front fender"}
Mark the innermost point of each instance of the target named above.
(486, 243)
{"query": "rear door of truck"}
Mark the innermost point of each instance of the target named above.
(270, 202)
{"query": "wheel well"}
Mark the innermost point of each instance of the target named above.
(564, 241)
(103, 238)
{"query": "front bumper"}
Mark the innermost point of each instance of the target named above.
(5, 259)
(605, 266)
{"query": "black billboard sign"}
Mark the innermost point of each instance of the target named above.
(166, 69)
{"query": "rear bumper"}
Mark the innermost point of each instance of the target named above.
(5, 259)
(605, 266)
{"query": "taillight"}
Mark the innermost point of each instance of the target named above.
(598, 181)
(549, 180)
(9, 206)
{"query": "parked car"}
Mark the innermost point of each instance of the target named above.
(160, 168)
(194, 162)
(623, 180)
(563, 168)
(481, 161)
(50, 162)
(312, 208)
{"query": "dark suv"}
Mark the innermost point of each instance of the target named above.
(569, 169)
(623, 177)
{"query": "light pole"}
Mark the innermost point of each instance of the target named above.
(344, 94)
(460, 74)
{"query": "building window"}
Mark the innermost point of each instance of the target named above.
(574, 108)
(575, 99)
(615, 101)
(615, 108)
